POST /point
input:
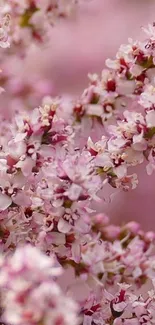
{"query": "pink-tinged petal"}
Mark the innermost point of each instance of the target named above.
(5, 201)
(96, 110)
(120, 306)
(115, 144)
(81, 226)
(112, 64)
(3, 165)
(150, 168)
(139, 143)
(76, 252)
(16, 149)
(74, 192)
(150, 119)
(4, 45)
(20, 136)
(22, 199)
(26, 166)
(136, 70)
(125, 87)
(120, 171)
(103, 160)
(134, 157)
(19, 180)
(64, 226)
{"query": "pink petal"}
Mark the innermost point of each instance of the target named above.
(64, 226)
(22, 199)
(5, 201)
(76, 252)
(26, 166)
(74, 192)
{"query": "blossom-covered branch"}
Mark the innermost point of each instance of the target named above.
(122, 83)
(54, 247)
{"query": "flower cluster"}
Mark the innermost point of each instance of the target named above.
(32, 19)
(27, 276)
(121, 83)
(31, 23)
(123, 307)
(123, 255)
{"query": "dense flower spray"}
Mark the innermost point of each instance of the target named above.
(28, 276)
(62, 262)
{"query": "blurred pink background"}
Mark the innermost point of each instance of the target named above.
(81, 45)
